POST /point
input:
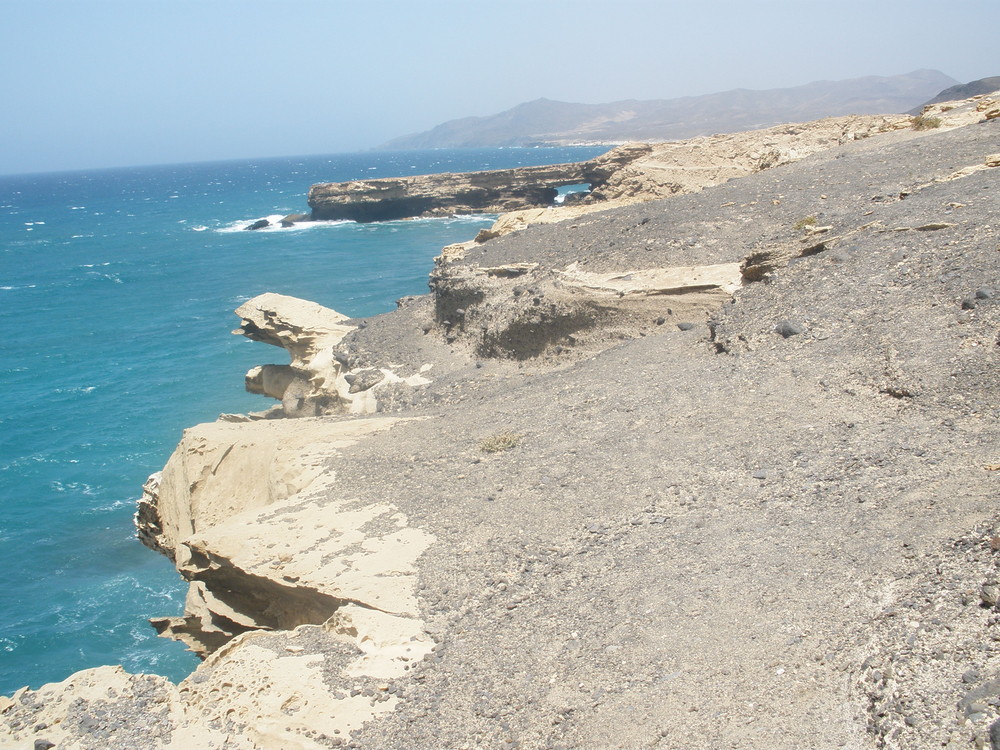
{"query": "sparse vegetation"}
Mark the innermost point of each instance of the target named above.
(500, 442)
(923, 122)
(809, 221)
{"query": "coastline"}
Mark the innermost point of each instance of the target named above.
(117, 403)
(355, 575)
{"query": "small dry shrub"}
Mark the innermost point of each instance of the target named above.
(809, 221)
(923, 122)
(500, 442)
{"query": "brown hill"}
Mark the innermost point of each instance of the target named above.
(552, 122)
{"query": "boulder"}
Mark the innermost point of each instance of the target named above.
(293, 219)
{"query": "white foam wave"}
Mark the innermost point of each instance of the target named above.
(78, 389)
(115, 505)
(453, 219)
(81, 487)
(109, 276)
(274, 221)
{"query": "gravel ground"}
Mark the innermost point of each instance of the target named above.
(721, 537)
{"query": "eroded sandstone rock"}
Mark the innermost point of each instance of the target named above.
(262, 691)
(523, 310)
(318, 380)
(250, 515)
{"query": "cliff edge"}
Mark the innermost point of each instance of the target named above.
(716, 469)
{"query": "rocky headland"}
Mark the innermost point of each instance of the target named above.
(707, 459)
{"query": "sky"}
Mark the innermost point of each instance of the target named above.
(107, 83)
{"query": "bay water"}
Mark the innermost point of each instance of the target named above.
(116, 295)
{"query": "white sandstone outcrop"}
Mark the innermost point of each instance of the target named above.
(318, 380)
(262, 691)
(250, 515)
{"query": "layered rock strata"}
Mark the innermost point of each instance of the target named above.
(442, 194)
(524, 310)
(247, 513)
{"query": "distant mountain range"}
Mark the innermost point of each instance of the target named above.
(962, 91)
(544, 121)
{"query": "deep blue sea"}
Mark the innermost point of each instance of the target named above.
(116, 295)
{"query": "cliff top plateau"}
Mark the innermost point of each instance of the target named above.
(717, 469)
(555, 123)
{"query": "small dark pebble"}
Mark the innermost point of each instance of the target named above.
(43, 744)
(789, 328)
(660, 321)
(685, 326)
(995, 735)
(971, 675)
(969, 303)
(760, 474)
(984, 293)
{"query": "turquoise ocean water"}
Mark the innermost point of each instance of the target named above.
(116, 295)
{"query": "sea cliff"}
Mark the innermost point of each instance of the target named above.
(699, 461)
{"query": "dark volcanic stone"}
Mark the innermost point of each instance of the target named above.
(995, 735)
(293, 219)
(789, 328)
(362, 380)
(259, 224)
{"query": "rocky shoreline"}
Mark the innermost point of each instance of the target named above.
(699, 461)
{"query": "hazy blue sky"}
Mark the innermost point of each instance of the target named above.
(96, 83)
